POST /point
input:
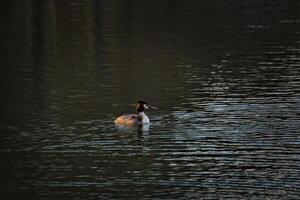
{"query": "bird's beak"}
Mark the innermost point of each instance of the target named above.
(151, 107)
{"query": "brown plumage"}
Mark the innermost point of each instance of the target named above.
(129, 120)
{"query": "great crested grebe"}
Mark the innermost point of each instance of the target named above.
(135, 119)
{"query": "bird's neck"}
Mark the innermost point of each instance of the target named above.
(145, 119)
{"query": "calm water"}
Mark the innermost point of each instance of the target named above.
(225, 76)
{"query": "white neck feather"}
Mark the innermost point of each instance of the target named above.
(145, 118)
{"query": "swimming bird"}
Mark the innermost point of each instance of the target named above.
(136, 119)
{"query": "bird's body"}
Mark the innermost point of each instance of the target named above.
(135, 119)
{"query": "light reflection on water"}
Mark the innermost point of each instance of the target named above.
(227, 89)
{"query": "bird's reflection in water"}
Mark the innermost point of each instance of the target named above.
(138, 134)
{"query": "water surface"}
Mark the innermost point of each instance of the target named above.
(225, 76)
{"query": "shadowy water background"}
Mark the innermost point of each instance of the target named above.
(225, 76)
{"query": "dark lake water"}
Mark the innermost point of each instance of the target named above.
(225, 76)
